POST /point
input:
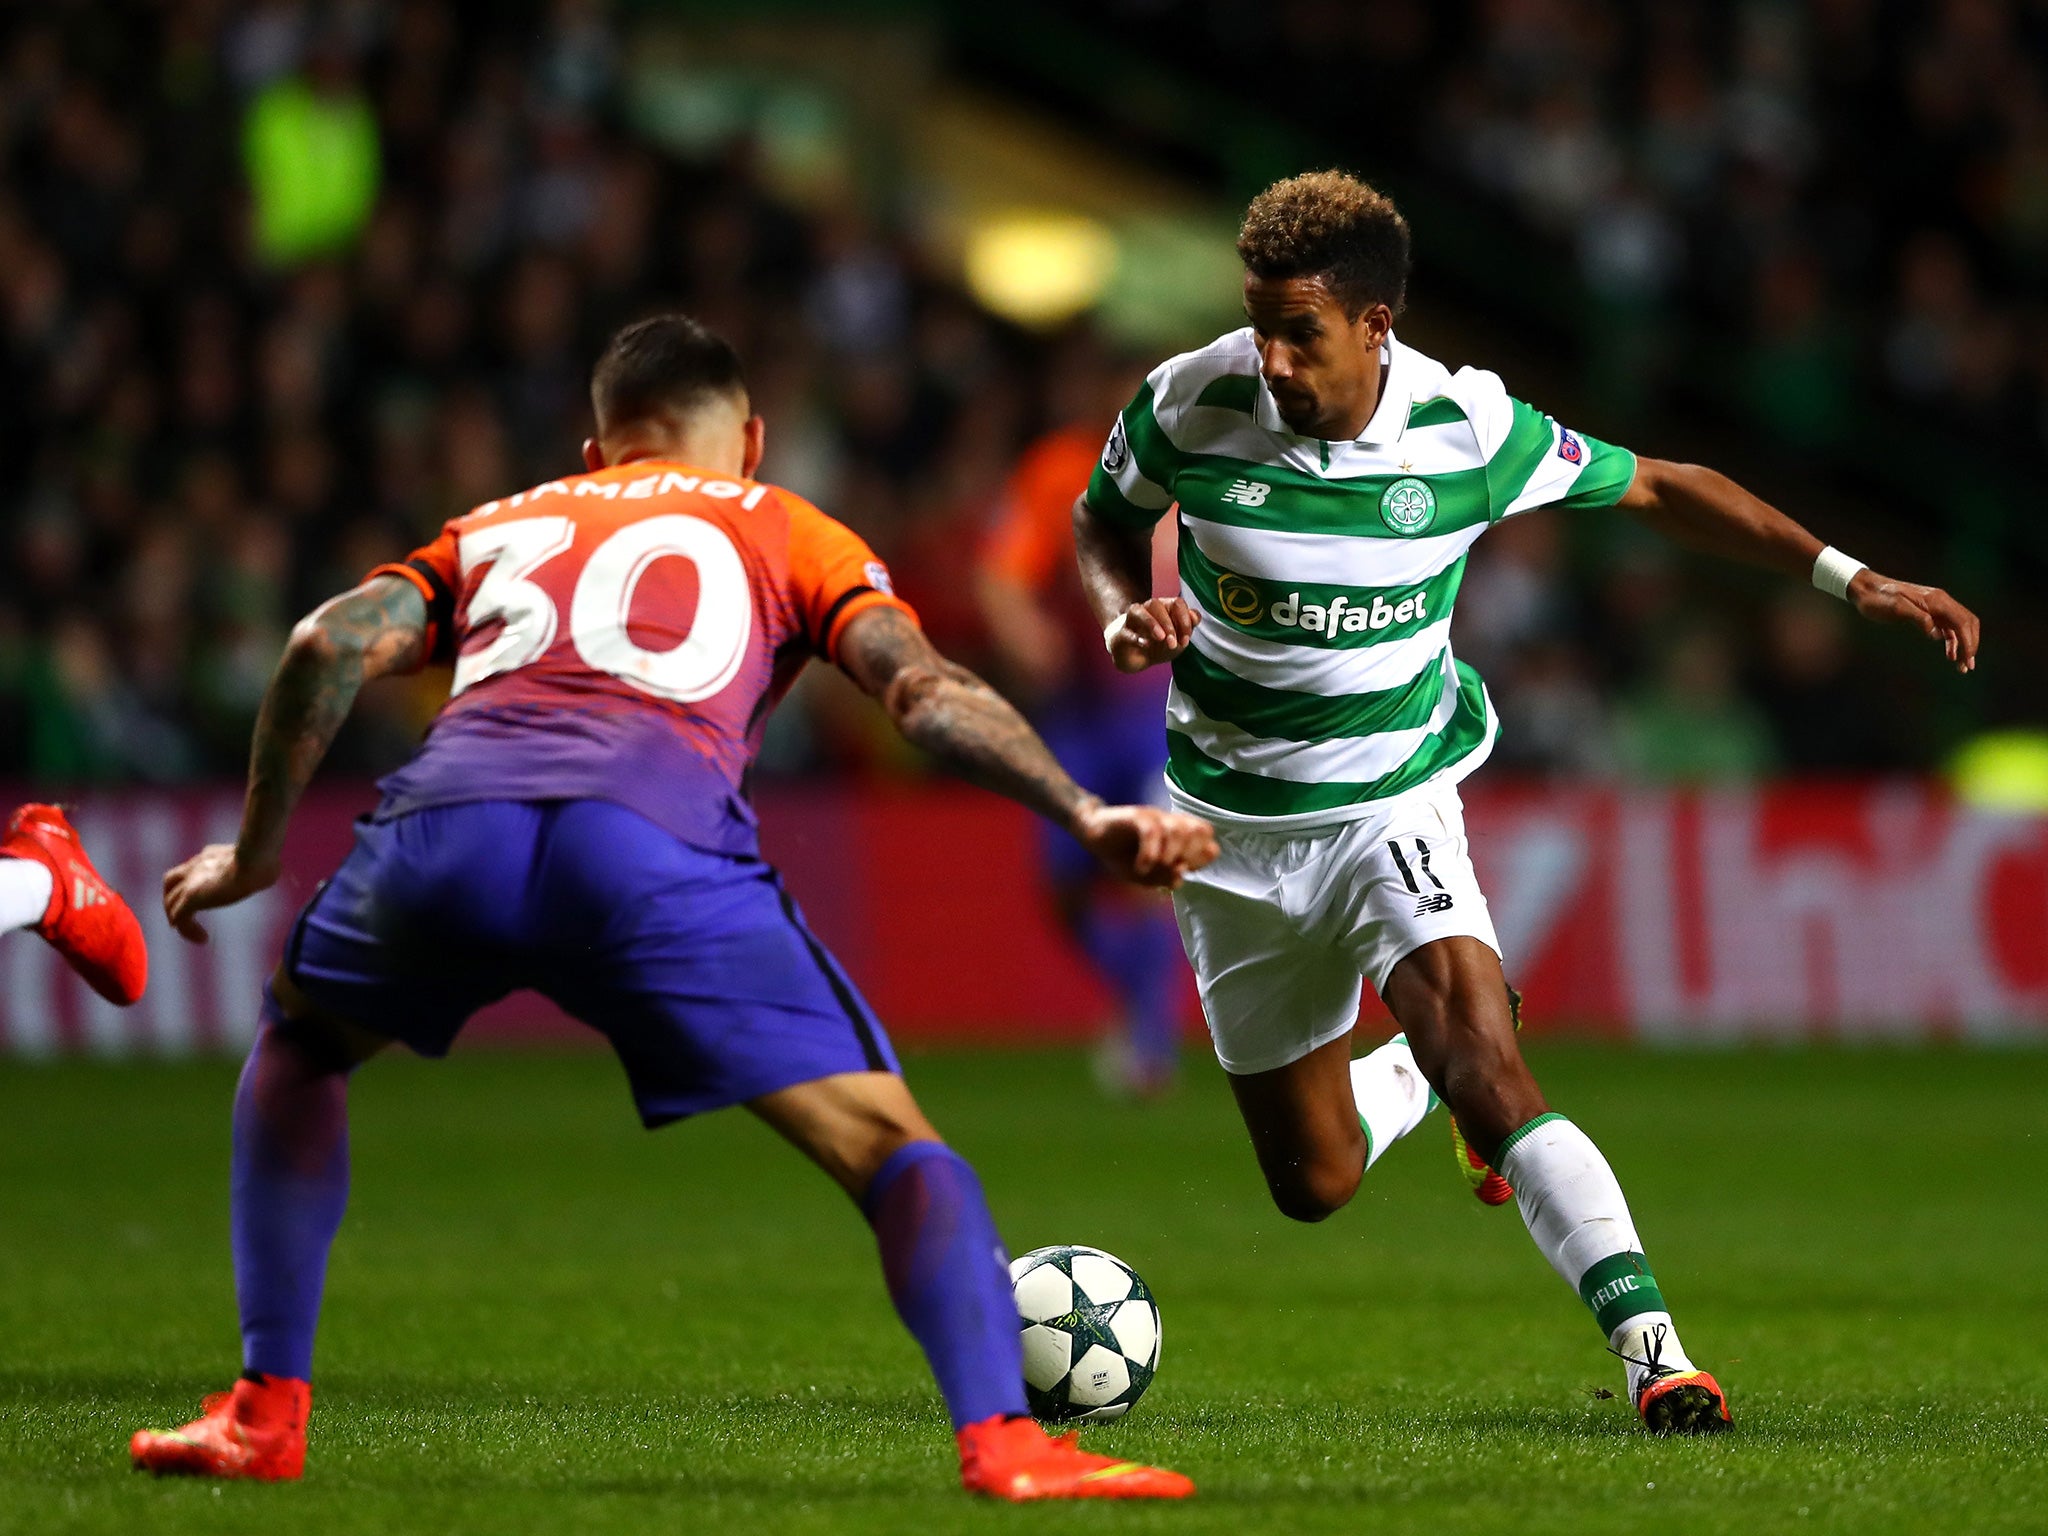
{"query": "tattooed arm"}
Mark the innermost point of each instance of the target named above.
(375, 630)
(960, 720)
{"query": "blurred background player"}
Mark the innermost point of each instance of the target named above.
(575, 824)
(1099, 722)
(48, 884)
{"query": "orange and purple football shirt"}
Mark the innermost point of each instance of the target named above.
(623, 636)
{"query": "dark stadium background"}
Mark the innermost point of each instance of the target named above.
(284, 284)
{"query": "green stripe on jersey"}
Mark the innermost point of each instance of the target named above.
(1618, 1288)
(1440, 412)
(1226, 490)
(1107, 501)
(1608, 474)
(1199, 775)
(1529, 442)
(1315, 612)
(1284, 714)
(1158, 459)
(1231, 392)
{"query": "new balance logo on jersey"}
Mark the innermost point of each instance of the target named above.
(1248, 493)
(1442, 902)
(85, 894)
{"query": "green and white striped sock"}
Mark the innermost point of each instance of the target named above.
(1392, 1095)
(1576, 1212)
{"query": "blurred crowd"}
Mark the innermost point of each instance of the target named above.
(228, 395)
(1856, 193)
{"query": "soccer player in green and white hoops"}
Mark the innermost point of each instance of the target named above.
(1330, 480)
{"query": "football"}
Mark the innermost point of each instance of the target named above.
(1091, 1333)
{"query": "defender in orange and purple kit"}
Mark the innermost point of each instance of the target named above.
(576, 824)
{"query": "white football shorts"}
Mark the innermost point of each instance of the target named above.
(1283, 927)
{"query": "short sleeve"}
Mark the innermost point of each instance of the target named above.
(1544, 464)
(833, 576)
(436, 570)
(1132, 484)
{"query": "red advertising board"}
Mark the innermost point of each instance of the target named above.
(1868, 910)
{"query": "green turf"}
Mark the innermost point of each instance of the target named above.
(542, 1320)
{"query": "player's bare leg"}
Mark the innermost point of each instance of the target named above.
(290, 1186)
(1305, 1131)
(1452, 1001)
(949, 1276)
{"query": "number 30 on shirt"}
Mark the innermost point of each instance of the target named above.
(709, 656)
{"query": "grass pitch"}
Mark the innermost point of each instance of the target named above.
(542, 1320)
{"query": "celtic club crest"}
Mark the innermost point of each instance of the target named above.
(1408, 506)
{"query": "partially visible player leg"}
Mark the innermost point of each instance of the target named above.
(948, 1274)
(25, 888)
(289, 1187)
(1116, 751)
(1392, 1094)
(1281, 1008)
(395, 936)
(1452, 1001)
(941, 1254)
(701, 971)
(1305, 1130)
(48, 883)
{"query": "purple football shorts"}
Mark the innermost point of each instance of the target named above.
(696, 966)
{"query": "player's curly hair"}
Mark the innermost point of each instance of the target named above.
(1331, 225)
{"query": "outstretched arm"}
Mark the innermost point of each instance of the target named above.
(959, 719)
(1709, 512)
(377, 629)
(1116, 574)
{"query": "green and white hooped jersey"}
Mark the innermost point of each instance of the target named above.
(1320, 681)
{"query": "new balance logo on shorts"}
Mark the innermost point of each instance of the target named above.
(1248, 493)
(1440, 900)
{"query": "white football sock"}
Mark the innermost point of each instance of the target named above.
(24, 892)
(1393, 1096)
(1575, 1211)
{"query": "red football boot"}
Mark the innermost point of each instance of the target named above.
(87, 922)
(1683, 1403)
(256, 1431)
(1016, 1460)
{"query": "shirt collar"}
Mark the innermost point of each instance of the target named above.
(1389, 418)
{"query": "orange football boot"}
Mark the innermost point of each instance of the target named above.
(1014, 1459)
(1683, 1403)
(256, 1431)
(87, 922)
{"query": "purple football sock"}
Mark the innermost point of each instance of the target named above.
(1137, 949)
(290, 1185)
(949, 1277)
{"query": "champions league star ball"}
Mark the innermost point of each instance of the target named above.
(1091, 1333)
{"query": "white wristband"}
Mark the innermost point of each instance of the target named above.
(1110, 631)
(1833, 571)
